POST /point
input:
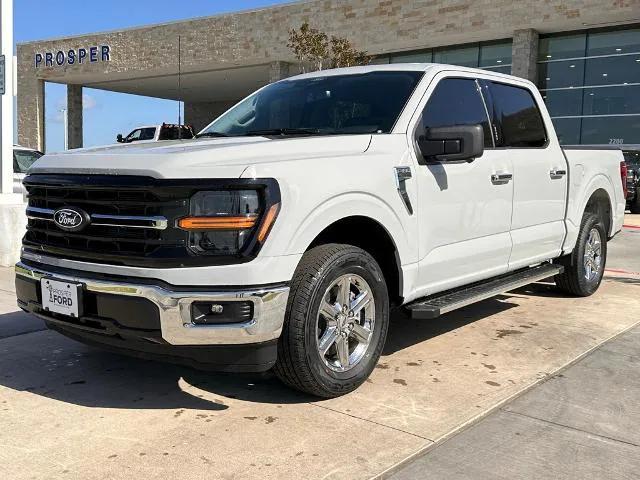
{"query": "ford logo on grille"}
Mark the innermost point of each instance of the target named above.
(71, 219)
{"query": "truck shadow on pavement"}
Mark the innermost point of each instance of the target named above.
(48, 364)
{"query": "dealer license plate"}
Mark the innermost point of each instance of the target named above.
(60, 297)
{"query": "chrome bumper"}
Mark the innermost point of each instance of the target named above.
(175, 309)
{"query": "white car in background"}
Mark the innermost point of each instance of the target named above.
(156, 133)
(23, 158)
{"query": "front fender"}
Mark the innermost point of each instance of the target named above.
(350, 205)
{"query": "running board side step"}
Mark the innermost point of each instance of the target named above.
(441, 303)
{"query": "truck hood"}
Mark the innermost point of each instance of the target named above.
(197, 158)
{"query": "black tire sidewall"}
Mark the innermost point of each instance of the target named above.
(363, 265)
(591, 221)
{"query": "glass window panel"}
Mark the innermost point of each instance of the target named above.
(379, 60)
(495, 54)
(561, 74)
(416, 57)
(463, 56)
(563, 102)
(566, 46)
(506, 69)
(612, 100)
(518, 116)
(568, 130)
(612, 70)
(456, 101)
(604, 130)
(615, 42)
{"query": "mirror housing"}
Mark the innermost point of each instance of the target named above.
(119, 138)
(454, 143)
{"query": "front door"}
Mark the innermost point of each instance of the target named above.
(464, 212)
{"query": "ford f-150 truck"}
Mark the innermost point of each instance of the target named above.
(282, 236)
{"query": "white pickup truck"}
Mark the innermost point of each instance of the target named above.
(282, 236)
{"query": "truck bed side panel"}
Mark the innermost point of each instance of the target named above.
(591, 170)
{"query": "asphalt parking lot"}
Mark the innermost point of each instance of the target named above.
(70, 411)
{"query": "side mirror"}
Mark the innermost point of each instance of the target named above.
(119, 138)
(449, 144)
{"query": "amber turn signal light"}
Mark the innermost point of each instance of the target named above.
(217, 223)
(269, 218)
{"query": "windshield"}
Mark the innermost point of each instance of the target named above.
(340, 104)
(23, 159)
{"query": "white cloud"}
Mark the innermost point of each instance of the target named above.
(88, 103)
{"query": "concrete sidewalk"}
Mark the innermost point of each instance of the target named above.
(582, 423)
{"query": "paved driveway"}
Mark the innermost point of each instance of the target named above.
(70, 411)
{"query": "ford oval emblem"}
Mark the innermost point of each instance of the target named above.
(71, 219)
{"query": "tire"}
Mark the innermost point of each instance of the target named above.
(578, 278)
(322, 274)
(635, 205)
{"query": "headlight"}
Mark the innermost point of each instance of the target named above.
(227, 222)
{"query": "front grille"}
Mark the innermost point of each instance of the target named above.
(132, 218)
(125, 202)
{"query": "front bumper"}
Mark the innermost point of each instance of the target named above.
(147, 314)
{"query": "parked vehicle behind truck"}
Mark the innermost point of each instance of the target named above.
(283, 235)
(157, 133)
(632, 158)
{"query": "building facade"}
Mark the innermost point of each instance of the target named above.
(584, 55)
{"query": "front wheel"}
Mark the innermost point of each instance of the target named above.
(336, 321)
(584, 268)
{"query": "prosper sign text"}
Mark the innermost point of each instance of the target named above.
(59, 58)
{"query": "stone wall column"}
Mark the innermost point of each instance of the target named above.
(74, 116)
(278, 70)
(525, 54)
(31, 111)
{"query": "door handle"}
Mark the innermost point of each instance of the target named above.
(499, 178)
(557, 173)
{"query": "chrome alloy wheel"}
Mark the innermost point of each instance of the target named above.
(345, 322)
(593, 255)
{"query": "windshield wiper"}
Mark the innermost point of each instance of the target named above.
(212, 134)
(283, 132)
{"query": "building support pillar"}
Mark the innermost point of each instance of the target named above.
(524, 62)
(12, 211)
(31, 111)
(74, 116)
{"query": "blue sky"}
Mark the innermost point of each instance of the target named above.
(103, 115)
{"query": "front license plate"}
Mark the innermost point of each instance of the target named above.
(61, 297)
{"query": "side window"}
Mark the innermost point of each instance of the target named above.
(457, 101)
(518, 117)
(147, 134)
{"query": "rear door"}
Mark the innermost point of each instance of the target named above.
(464, 214)
(540, 173)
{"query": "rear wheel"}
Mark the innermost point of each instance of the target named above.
(336, 321)
(584, 268)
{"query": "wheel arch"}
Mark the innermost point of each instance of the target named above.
(370, 235)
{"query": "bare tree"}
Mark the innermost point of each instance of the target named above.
(313, 47)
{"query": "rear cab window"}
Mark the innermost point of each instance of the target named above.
(518, 119)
